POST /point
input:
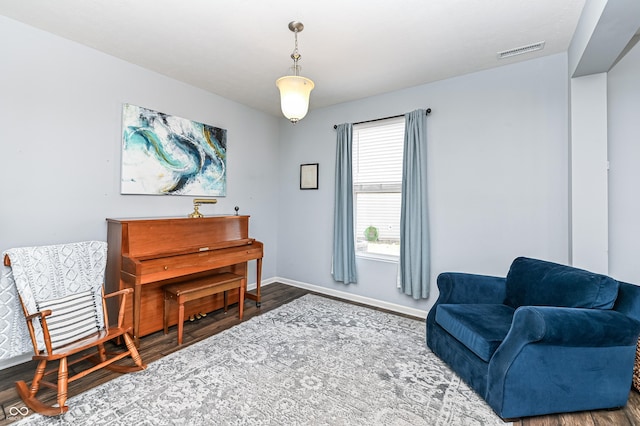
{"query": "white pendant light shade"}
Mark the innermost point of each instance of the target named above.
(294, 96)
(295, 89)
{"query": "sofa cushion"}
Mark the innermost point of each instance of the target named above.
(532, 282)
(480, 327)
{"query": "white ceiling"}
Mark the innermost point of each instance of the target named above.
(352, 49)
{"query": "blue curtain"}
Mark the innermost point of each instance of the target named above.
(343, 267)
(414, 273)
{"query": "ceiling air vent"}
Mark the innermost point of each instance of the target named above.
(521, 50)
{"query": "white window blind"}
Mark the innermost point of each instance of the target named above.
(377, 181)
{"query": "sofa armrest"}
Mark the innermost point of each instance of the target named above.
(456, 287)
(568, 327)
(575, 326)
(545, 347)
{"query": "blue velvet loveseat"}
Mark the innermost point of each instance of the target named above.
(548, 338)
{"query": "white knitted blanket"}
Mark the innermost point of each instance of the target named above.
(41, 273)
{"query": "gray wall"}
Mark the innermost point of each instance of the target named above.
(498, 177)
(498, 162)
(624, 174)
(60, 139)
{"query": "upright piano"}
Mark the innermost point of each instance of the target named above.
(146, 254)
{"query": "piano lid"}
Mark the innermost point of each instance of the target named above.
(146, 237)
(131, 219)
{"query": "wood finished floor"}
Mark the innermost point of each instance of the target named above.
(157, 345)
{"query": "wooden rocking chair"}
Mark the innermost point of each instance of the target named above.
(62, 296)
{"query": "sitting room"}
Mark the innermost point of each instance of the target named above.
(301, 263)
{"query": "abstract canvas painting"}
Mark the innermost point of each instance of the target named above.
(164, 154)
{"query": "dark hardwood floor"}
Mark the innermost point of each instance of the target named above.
(157, 345)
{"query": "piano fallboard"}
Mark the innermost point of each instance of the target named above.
(136, 271)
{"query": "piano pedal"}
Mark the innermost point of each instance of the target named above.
(198, 316)
(202, 314)
(192, 318)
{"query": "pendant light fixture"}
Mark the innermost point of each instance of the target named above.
(295, 89)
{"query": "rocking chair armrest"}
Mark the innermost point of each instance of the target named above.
(45, 329)
(119, 292)
(122, 293)
(41, 314)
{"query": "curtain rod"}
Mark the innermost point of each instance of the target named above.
(428, 111)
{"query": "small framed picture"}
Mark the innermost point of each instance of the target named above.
(309, 176)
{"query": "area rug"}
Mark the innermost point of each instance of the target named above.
(313, 361)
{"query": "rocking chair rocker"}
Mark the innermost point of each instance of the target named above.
(62, 296)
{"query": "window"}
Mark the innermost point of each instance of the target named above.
(377, 184)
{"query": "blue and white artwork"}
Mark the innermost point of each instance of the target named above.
(163, 154)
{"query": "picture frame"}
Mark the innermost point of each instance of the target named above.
(309, 176)
(164, 154)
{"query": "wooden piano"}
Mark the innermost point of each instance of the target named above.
(146, 254)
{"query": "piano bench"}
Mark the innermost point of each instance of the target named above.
(187, 291)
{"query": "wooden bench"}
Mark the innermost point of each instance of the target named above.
(182, 293)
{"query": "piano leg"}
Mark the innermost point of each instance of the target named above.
(256, 296)
(136, 313)
(165, 309)
(243, 286)
(258, 277)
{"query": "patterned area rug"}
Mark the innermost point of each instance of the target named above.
(314, 361)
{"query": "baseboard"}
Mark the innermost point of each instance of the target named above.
(19, 359)
(418, 313)
(253, 286)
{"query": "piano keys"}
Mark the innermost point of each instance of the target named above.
(145, 254)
